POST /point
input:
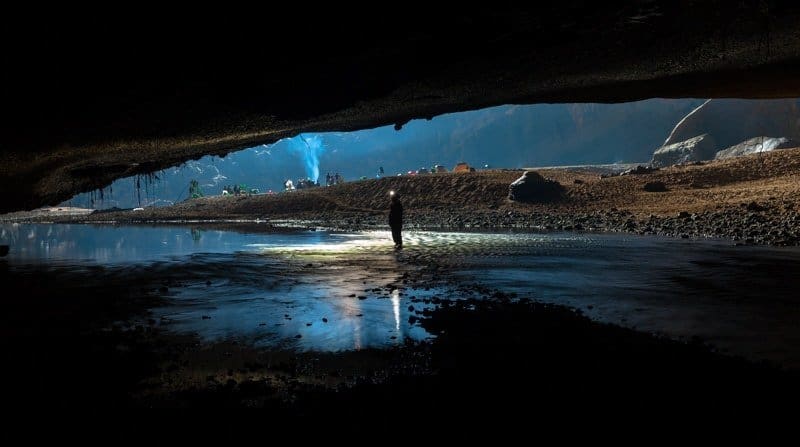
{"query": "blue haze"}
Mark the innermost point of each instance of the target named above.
(511, 136)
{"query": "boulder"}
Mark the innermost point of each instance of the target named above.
(655, 187)
(639, 170)
(534, 188)
(756, 145)
(701, 147)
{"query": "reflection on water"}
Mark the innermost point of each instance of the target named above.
(332, 291)
(109, 244)
(301, 290)
(271, 300)
(743, 300)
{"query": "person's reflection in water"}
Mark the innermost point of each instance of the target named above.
(396, 219)
(196, 234)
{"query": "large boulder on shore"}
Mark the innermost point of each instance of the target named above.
(534, 188)
(756, 145)
(699, 148)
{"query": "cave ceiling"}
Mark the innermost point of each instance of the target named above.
(91, 99)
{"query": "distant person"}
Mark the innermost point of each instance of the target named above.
(380, 172)
(396, 219)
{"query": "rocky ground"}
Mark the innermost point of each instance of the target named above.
(752, 199)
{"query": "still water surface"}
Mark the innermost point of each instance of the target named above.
(276, 289)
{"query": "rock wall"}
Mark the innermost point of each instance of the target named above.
(732, 121)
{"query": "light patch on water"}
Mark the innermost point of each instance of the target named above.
(335, 243)
(428, 241)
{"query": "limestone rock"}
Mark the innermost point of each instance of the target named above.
(756, 145)
(699, 148)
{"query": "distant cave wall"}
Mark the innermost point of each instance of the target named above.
(732, 121)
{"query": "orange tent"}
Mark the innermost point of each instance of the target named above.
(461, 167)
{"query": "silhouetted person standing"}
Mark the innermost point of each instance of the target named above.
(396, 220)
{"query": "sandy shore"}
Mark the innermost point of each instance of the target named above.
(47, 214)
(753, 200)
